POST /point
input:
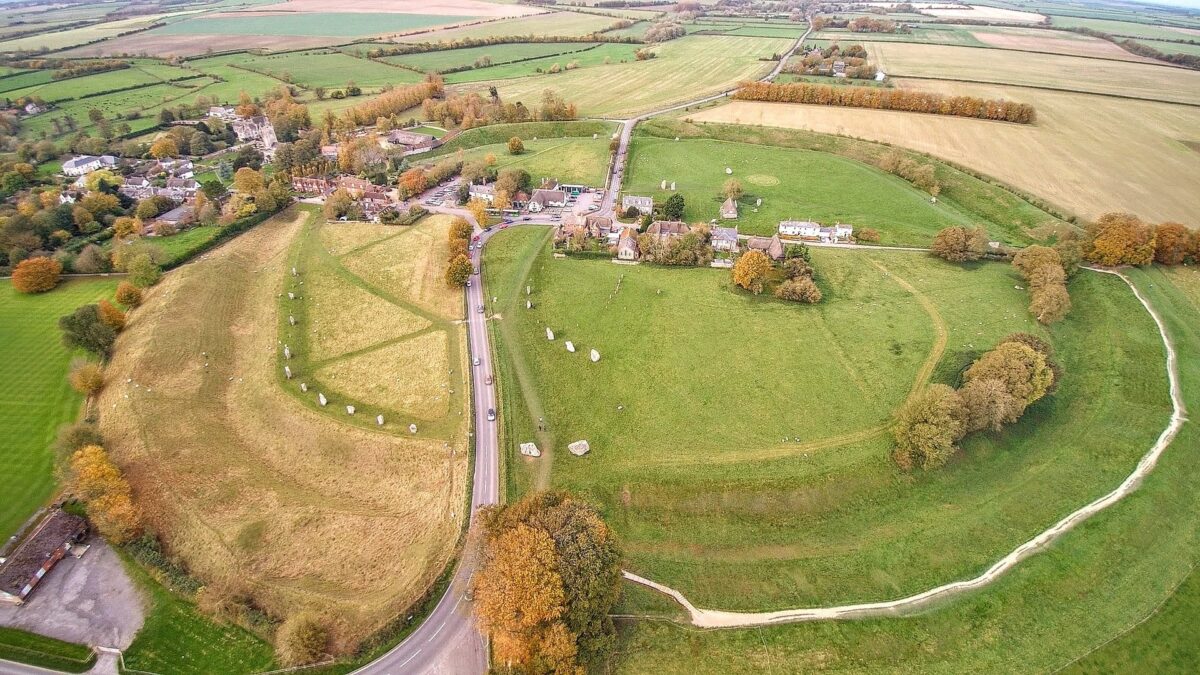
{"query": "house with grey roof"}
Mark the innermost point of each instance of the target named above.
(643, 204)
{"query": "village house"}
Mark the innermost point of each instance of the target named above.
(644, 205)
(32, 108)
(805, 229)
(773, 247)
(330, 151)
(85, 164)
(222, 112)
(485, 192)
(725, 239)
(839, 68)
(33, 559)
(176, 219)
(543, 199)
(413, 142)
(312, 185)
(666, 230)
(355, 186)
(374, 202)
(257, 129)
(838, 233)
(627, 246)
(591, 226)
(137, 187)
(729, 209)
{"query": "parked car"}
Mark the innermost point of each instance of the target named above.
(491, 414)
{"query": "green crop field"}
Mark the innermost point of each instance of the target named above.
(146, 101)
(764, 481)
(685, 69)
(791, 32)
(1127, 28)
(504, 53)
(793, 185)
(329, 69)
(332, 24)
(1061, 609)
(24, 79)
(33, 363)
(1173, 47)
(78, 36)
(570, 160)
(603, 55)
(77, 87)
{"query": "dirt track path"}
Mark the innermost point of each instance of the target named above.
(711, 618)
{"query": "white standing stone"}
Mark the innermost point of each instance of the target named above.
(287, 372)
(291, 295)
(530, 450)
(321, 399)
(570, 346)
(758, 202)
(527, 290)
(412, 428)
(672, 186)
(349, 410)
(676, 138)
(292, 320)
(549, 334)
(595, 356)
(663, 184)
(579, 448)
(728, 171)
(379, 420)
(287, 353)
(594, 136)
(293, 271)
(304, 387)
(528, 304)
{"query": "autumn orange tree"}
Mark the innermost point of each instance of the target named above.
(99, 483)
(86, 377)
(550, 577)
(1120, 239)
(1174, 243)
(459, 271)
(36, 275)
(1043, 270)
(128, 294)
(164, 147)
(750, 271)
(478, 209)
(960, 244)
(111, 315)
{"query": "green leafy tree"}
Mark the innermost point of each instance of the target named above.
(673, 208)
(83, 329)
(928, 427)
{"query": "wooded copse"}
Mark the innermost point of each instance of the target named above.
(887, 99)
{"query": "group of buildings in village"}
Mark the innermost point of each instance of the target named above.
(255, 129)
(372, 199)
(549, 195)
(172, 179)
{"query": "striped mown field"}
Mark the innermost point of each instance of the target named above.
(37, 398)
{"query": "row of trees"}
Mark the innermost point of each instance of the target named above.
(887, 99)
(459, 269)
(997, 389)
(109, 498)
(1124, 239)
(754, 269)
(920, 174)
(417, 179)
(663, 31)
(550, 577)
(1044, 272)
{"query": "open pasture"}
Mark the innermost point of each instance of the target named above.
(1096, 154)
(1092, 603)
(146, 101)
(77, 36)
(79, 87)
(328, 68)
(932, 33)
(569, 160)
(34, 363)
(1072, 73)
(152, 43)
(764, 481)
(498, 54)
(793, 184)
(260, 468)
(568, 24)
(1052, 42)
(602, 55)
(684, 70)
(1128, 28)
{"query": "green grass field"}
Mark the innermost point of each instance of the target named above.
(505, 53)
(1126, 28)
(177, 638)
(33, 363)
(500, 133)
(328, 68)
(77, 87)
(1057, 612)
(569, 160)
(1173, 47)
(763, 480)
(570, 24)
(44, 652)
(333, 24)
(603, 55)
(793, 185)
(180, 246)
(935, 34)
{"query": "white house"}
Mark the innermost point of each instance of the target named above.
(85, 164)
(224, 112)
(839, 232)
(800, 228)
(643, 204)
(543, 199)
(485, 192)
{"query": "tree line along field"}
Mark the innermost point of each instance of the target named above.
(567, 24)
(1060, 610)
(257, 479)
(711, 499)
(684, 69)
(793, 185)
(602, 55)
(34, 363)
(1097, 154)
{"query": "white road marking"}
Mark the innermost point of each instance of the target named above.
(435, 633)
(410, 658)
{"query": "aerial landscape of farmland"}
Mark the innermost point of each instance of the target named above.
(602, 336)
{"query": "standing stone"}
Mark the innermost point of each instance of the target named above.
(549, 334)
(528, 305)
(594, 136)
(288, 372)
(304, 387)
(579, 448)
(595, 356)
(293, 271)
(527, 290)
(379, 420)
(412, 428)
(322, 400)
(292, 320)
(287, 353)
(291, 295)
(728, 171)
(663, 184)
(672, 186)
(570, 347)
(758, 202)
(349, 410)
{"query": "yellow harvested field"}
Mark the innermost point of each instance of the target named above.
(416, 376)
(443, 7)
(412, 267)
(347, 318)
(566, 24)
(1087, 154)
(1053, 42)
(77, 36)
(341, 238)
(1137, 80)
(255, 490)
(685, 69)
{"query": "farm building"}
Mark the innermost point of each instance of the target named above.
(222, 112)
(643, 204)
(627, 246)
(725, 239)
(729, 209)
(839, 232)
(177, 218)
(800, 228)
(38, 554)
(412, 141)
(85, 164)
(773, 247)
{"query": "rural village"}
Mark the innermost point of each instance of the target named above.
(396, 337)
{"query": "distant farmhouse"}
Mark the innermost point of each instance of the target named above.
(807, 229)
(643, 204)
(85, 164)
(413, 143)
